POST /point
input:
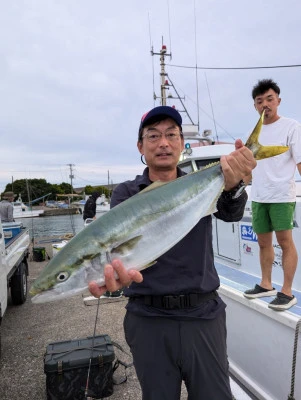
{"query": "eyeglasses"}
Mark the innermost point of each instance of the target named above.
(152, 135)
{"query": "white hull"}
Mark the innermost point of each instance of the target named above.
(260, 341)
(102, 204)
(102, 208)
(22, 211)
(28, 214)
(260, 346)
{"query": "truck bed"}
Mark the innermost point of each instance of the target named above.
(15, 250)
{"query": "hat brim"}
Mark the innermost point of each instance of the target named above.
(158, 114)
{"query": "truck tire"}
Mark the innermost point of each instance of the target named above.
(18, 286)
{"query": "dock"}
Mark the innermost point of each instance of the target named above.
(50, 212)
(26, 330)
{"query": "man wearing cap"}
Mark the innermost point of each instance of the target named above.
(6, 208)
(175, 324)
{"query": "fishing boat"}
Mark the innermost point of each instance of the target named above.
(102, 204)
(23, 211)
(262, 344)
(263, 351)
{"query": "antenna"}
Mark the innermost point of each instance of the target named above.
(180, 98)
(152, 53)
(169, 28)
(196, 68)
(211, 107)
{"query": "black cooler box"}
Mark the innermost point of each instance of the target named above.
(66, 367)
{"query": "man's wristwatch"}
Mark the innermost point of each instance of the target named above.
(236, 191)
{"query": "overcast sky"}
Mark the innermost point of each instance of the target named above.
(76, 76)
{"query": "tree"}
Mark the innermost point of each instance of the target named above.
(33, 188)
(101, 189)
(66, 187)
(37, 188)
(40, 187)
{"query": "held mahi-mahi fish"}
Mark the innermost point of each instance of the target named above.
(138, 230)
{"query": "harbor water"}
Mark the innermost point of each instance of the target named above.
(58, 225)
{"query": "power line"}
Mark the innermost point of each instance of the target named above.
(225, 68)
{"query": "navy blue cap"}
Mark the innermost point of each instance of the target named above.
(158, 113)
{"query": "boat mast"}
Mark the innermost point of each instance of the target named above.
(163, 74)
(164, 82)
(190, 131)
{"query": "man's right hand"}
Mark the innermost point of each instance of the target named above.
(125, 278)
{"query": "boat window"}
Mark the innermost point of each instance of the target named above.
(202, 163)
(186, 167)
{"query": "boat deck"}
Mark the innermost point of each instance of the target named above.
(259, 338)
(242, 281)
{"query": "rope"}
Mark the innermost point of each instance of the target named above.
(92, 348)
(291, 395)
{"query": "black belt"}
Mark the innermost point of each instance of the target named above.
(171, 302)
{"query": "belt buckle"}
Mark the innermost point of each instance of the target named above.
(173, 302)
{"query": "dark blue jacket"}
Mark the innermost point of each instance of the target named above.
(188, 267)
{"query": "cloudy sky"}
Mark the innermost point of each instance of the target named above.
(76, 76)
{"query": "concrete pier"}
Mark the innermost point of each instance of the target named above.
(26, 330)
(50, 212)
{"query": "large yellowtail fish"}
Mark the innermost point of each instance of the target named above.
(139, 230)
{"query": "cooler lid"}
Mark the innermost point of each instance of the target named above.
(72, 354)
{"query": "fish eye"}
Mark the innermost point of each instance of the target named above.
(62, 276)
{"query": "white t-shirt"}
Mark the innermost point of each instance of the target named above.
(273, 179)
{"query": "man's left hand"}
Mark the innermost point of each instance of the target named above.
(238, 165)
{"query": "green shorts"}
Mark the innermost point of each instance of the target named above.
(269, 217)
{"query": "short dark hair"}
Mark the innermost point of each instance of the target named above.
(263, 86)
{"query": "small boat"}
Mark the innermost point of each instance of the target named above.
(23, 211)
(102, 204)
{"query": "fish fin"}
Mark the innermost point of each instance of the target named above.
(86, 257)
(253, 138)
(154, 185)
(269, 151)
(260, 152)
(149, 264)
(212, 164)
(124, 247)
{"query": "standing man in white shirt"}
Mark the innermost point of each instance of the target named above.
(273, 195)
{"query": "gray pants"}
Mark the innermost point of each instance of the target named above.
(167, 352)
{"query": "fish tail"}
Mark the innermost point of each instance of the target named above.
(269, 151)
(260, 152)
(253, 138)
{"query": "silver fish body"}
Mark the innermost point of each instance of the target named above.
(137, 232)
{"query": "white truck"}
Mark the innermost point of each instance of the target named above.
(14, 251)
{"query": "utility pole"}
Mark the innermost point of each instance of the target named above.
(71, 176)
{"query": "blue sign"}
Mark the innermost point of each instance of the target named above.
(247, 233)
